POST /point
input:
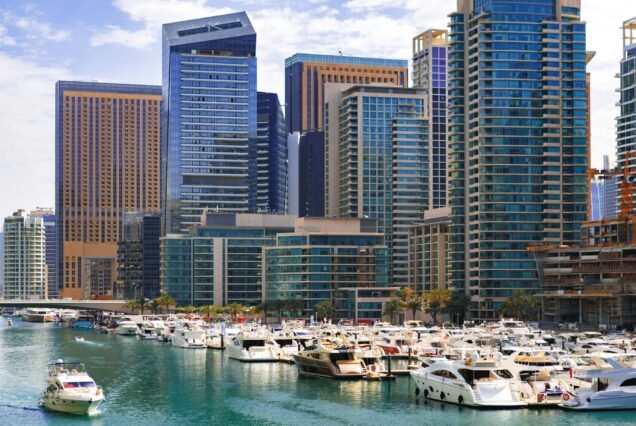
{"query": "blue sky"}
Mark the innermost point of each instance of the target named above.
(120, 41)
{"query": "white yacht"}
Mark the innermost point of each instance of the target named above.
(472, 382)
(39, 315)
(71, 390)
(148, 330)
(126, 327)
(188, 335)
(611, 390)
(253, 345)
(330, 357)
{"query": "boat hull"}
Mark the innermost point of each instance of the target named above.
(603, 401)
(78, 406)
(321, 368)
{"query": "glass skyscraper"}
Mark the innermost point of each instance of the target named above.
(429, 74)
(208, 118)
(377, 162)
(517, 141)
(626, 123)
(271, 156)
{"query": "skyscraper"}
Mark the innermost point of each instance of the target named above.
(609, 198)
(48, 216)
(517, 141)
(626, 123)
(107, 144)
(270, 189)
(306, 75)
(209, 118)
(429, 74)
(376, 162)
(24, 257)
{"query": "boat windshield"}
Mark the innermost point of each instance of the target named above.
(340, 356)
(471, 376)
(71, 385)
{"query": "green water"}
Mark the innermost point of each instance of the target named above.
(153, 383)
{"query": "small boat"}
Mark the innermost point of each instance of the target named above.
(330, 357)
(71, 390)
(79, 339)
(10, 322)
(253, 345)
(39, 315)
(188, 335)
(611, 390)
(126, 327)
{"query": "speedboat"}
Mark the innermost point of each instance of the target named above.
(126, 327)
(71, 390)
(330, 357)
(472, 382)
(253, 345)
(79, 338)
(188, 335)
(613, 389)
(148, 330)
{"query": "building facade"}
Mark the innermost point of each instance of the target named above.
(376, 162)
(220, 262)
(322, 258)
(138, 258)
(517, 141)
(25, 272)
(626, 122)
(311, 194)
(209, 118)
(48, 216)
(609, 199)
(107, 142)
(429, 73)
(428, 258)
(306, 76)
(271, 156)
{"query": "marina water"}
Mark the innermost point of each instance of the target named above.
(154, 383)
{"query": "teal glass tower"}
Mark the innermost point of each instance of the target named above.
(208, 118)
(517, 141)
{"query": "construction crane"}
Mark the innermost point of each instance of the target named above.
(626, 185)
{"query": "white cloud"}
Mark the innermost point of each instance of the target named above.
(27, 111)
(32, 28)
(5, 38)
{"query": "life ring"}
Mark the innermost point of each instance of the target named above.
(566, 397)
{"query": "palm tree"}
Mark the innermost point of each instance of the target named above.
(133, 305)
(406, 293)
(234, 309)
(165, 300)
(415, 303)
(293, 305)
(393, 307)
(324, 309)
(521, 306)
(457, 306)
(436, 301)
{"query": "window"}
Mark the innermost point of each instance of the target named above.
(629, 382)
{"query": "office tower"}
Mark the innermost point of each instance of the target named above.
(311, 174)
(322, 258)
(626, 122)
(24, 257)
(220, 262)
(429, 73)
(517, 141)
(609, 199)
(48, 215)
(138, 256)
(107, 146)
(209, 118)
(376, 162)
(293, 173)
(306, 76)
(270, 189)
(596, 200)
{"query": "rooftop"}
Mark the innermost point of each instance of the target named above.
(345, 60)
(98, 87)
(207, 29)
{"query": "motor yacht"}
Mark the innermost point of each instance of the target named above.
(253, 345)
(148, 330)
(473, 382)
(71, 390)
(126, 327)
(39, 315)
(613, 389)
(188, 335)
(330, 357)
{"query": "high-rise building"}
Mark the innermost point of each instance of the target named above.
(626, 123)
(1, 264)
(107, 145)
(376, 162)
(609, 199)
(24, 257)
(271, 156)
(138, 257)
(209, 118)
(306, 165)
(306, 76)
(321, 258)
(517, 141)
(220, 262)
(48, 215)
(429, 73)
(428, 244)
(596, 200)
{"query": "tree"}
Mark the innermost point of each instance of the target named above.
(435, 301)
(208, 311)
(414, 303)
(235, 309)
(406, 293)
(393, 307)
(293, 305)
(324, 309)
(133, 305)
(143, 304)
(166, 301)
(457, 306)
(521, 306)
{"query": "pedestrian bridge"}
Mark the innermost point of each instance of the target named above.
(94, 305)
